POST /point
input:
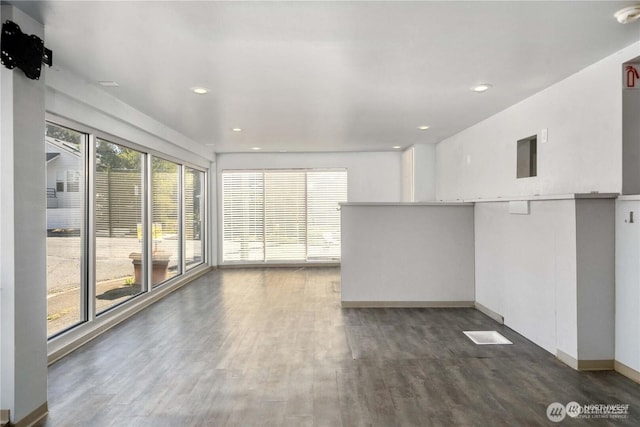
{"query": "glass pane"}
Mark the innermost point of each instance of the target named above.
(285, 216)
(118, 208)
(242, 216)
(193, 217)
(165, 206)
(65, 150)
(325, 191)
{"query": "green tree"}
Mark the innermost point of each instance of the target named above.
(110, 156)
(63, 134)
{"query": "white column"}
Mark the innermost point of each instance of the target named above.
(424, 173)
(212, 214)
(23, 305)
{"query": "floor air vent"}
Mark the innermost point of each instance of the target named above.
(486, 337)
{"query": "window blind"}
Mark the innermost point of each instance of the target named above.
(285, 216)
(282, 215)
(243, 216)
(325, 190)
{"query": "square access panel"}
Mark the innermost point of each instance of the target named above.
(486, 337)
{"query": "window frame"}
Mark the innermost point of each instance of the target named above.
(85, 250)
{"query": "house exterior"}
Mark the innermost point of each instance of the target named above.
(64, 186)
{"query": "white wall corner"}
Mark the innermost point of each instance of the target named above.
(408, 174)
(23, 368)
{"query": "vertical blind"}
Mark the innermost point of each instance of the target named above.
(282, 215)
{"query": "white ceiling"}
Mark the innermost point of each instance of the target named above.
(327, 76)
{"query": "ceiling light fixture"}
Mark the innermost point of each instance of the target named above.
(200, 90)
(483, 87)
(397, 147)
(237, 129)
(628, 14)
(423, 127)
(256, 148)
(108, 83)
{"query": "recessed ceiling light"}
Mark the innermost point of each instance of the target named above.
(423, 127)
(482, 87)
(628, 14)
(256, 148)
(237, 129)
(108, 83)
(396, 147)
(200, 90)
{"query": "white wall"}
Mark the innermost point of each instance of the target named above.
(60, 165)
(373, 177)
(631, 141)
(23, 348)
(407, 254)
(5, 168)
(419, 173)
(526, 266)
(583, 115)
(407, 174)
(65, 218)
(424, 160)
(550, 273)
(627, 296)
(595, 245)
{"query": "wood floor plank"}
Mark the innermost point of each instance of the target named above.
(256, 347)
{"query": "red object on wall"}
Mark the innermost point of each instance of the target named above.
(632, 76)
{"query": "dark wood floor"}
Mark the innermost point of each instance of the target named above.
(273, 347)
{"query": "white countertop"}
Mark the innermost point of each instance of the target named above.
(570, 196)
(470, 202)
(408, 204)
(629, 197)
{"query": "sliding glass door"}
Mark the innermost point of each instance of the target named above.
(285, 216)
(282, 215)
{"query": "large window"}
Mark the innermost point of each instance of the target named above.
(119, 204)
(193, 211)
(165, 195)
(66, 251)
(120, 221)
(282, 215)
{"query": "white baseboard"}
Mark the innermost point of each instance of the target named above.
(488, 312)
(585, 365)
(407, 304)
(628, 372)
(34, 417)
